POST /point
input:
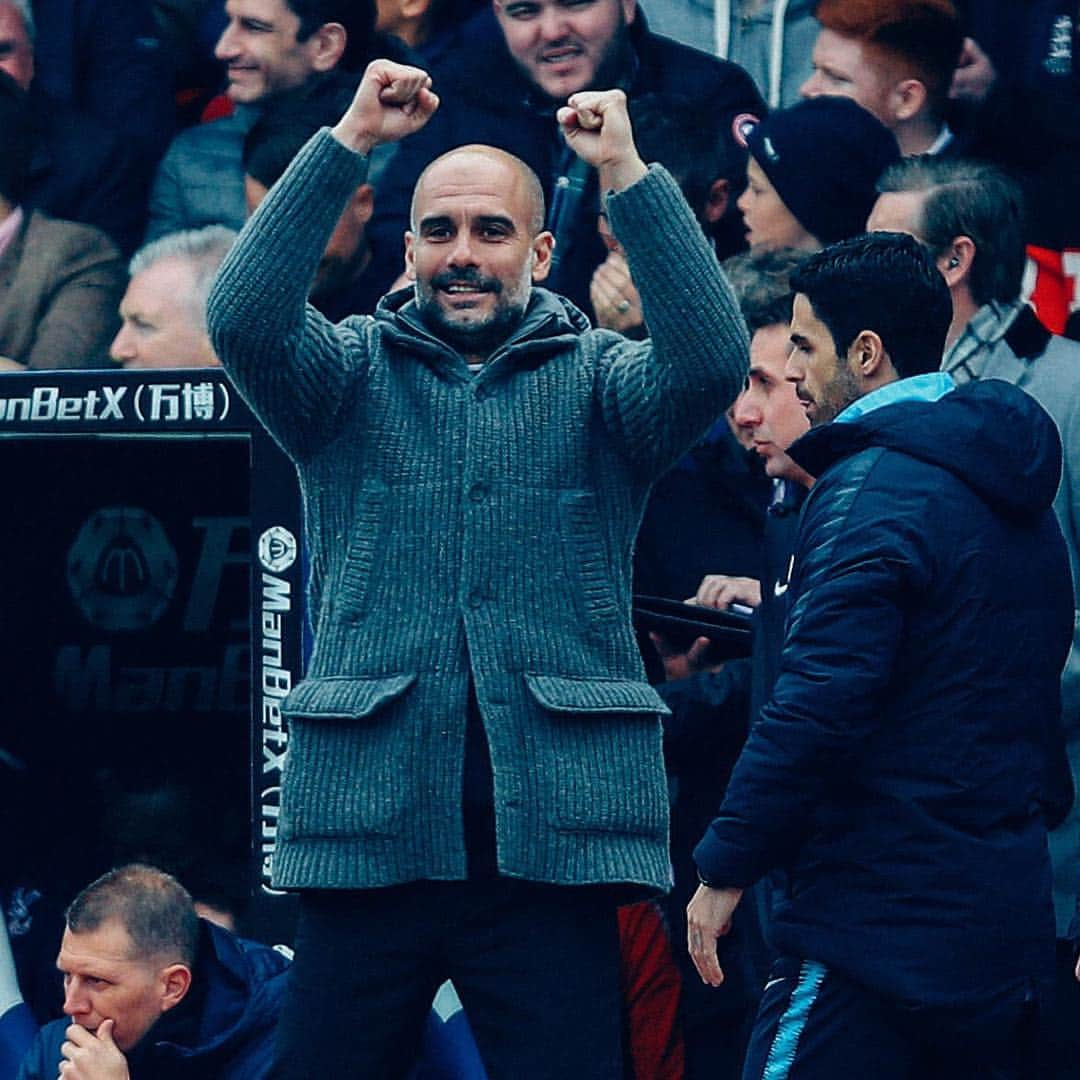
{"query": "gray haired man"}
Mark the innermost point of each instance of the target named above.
(164, 308)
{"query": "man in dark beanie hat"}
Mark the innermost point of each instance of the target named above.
(812, 173)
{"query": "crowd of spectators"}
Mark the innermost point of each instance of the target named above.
(133, 120)
(137, 136)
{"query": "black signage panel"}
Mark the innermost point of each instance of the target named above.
(151, 580)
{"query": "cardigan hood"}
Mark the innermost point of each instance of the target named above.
(550, 323)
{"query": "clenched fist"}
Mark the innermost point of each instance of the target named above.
(392, 101)
(596, 124)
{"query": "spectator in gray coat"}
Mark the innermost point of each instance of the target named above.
(771, 39)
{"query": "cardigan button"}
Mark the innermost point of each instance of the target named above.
(476, 599)
(478, 492)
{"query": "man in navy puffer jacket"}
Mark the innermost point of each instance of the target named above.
(151, 991)
(905, 768)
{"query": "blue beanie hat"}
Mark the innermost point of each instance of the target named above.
(824, 156)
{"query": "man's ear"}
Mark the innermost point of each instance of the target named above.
(907, 98)
(956, 260)
(176, 982)
(542, 247)
(326, 46)
(410, 257)
(716, 202)
(362, 204)
(867, 357)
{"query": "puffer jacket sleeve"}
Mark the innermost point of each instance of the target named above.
(658, 396)
(857, 560)
(293, 366)
(42, 1060)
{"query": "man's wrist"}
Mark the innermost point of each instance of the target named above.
(619, 175)
(708, 882)
(727, 894)
(359, 142)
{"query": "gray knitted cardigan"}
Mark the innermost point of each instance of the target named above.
(481, 524)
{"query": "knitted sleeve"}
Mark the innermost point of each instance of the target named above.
(293, 366)
(661, 395)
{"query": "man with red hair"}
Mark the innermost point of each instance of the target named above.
(895, 58)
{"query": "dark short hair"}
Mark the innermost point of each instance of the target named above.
(884, 282)
(762, 285)
(696, 146)
(924, 37)
(16, 139)
(153, 907)
(357, 16)
(283, 129)
(973, 199)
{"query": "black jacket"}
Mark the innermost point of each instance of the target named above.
(485, 99)
(901, 770)
(710, 715)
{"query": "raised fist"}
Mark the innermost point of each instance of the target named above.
(596, 125)
(392, 101)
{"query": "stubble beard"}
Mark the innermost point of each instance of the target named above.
(840, 392)
(479, 338)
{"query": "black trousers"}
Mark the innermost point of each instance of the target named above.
(536, 968)
(1060, 1044)
(815, 1024)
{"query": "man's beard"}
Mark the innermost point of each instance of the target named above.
(836, 395)
(477, 338)
(613, 69)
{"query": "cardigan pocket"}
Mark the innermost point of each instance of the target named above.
(349, 740)
(586, 557)
(342, 697)
(599, 761)
(595, 696)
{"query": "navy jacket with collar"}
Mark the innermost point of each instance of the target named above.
(905, 768)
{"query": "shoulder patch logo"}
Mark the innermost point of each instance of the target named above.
(741, 127)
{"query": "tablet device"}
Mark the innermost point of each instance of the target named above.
(682, 624)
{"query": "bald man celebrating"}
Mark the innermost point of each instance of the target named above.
(474, 776)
